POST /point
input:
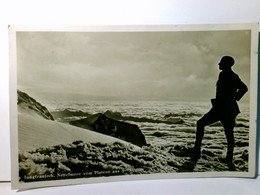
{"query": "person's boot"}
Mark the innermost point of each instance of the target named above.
(194, 153)
(229, 158)
(226, 160)
(229, 162)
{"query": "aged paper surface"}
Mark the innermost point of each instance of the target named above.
(115, 103)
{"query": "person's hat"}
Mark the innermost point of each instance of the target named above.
(227, 60)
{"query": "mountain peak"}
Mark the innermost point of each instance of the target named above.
(25, 101)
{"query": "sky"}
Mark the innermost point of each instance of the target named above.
(131, 65)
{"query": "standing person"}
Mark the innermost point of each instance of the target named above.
(229, 90)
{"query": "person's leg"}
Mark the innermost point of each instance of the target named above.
(229, 124)
(207, 119)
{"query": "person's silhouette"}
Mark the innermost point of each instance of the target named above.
(229, 90)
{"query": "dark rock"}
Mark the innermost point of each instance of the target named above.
(69, 113)
(108, 126)
(23, 98)
(119, 116)
(113, 115)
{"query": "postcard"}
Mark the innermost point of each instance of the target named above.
(92, 104)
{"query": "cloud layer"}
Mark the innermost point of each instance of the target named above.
(149, 65)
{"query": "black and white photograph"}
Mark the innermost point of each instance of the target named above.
(125, 103)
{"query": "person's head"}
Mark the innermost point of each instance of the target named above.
(226, 63)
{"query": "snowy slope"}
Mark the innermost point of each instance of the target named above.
(35, 132)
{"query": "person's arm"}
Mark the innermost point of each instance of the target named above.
(242, 89)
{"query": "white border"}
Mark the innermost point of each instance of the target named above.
(135, 28)
(210, 27)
